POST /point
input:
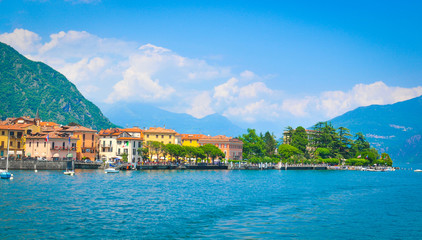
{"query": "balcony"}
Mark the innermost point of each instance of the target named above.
(63, 148)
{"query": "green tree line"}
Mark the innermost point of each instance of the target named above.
(322, 144)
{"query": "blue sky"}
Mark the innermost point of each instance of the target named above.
(262, 64)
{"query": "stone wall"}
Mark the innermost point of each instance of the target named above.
(31, 164)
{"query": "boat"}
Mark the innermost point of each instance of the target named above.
(5, 174)
(418, 170)
(72, 171)
(111, 170)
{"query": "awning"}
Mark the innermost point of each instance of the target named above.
(11, 152)
(56, 155)
(69, 155)
(19, 152)
(28, 154)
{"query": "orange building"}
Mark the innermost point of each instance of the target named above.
(86, 146)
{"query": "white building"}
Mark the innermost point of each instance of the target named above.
(116, 142)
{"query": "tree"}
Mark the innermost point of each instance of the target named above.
(270, 143)
(345, 142)
(143, 151)
(288, 132)
(124, 157)
(385, 160)
(300, 139)
(287, 151)
(253, 145)
(212, 151)
(322, 152)
(199, 153)
(175, 150)
(360, 143)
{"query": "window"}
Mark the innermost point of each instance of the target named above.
(110, 143)
(83, 136)
(169, 141)
(118, 151)
(2, 133)
(156, 136)
(147, 135)
(52, 145)
(162, 141)
(37, 144)
(190, 141)
(134, 151)
(64, 143)
(28, 131)
(2, 143)
(19, 144)
(126, 150)
(162, 136)
(45, 144)
(29, 144)
(12, 133)
(169, 136)
(92, 137)
(103, 143)
(139, 144)
(119, 142)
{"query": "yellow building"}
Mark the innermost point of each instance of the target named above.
(160, 134)
(192, 140)
(14, 137)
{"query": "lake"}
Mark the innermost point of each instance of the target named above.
(179, 204)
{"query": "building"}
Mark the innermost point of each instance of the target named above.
(53, 146)
(160, 134)
(231, 147)
(192, 140)
(12, 137)
(113, 143)
(86, 147)
(311, 134)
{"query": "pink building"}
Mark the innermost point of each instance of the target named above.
(51, 146)
(231, 147)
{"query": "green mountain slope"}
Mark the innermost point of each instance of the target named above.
(395, 128)
(26, 86)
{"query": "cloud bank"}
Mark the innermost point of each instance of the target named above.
(111, 70)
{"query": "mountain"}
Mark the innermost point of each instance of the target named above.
(26, 86)
(144, 115)
(395, 128)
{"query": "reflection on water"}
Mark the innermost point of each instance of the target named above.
(211, 204)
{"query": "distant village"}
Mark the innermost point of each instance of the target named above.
(26, 137)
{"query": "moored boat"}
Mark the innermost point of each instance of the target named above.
(111, 170)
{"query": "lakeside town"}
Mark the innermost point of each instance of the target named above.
(26, 138)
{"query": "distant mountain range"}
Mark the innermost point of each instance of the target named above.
(26, 86)
(395, 128)
(144, 115)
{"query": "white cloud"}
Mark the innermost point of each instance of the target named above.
(22, 40)
(334, 103)
(201, 105)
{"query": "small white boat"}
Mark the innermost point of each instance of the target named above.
(69, 172)
(418, 170)
(111, 170)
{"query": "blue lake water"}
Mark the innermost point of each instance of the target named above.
(212, 204)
